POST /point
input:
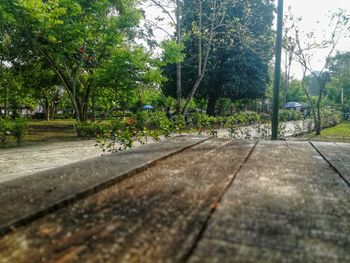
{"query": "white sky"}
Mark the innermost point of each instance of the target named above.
(312, 11)
(315, 17)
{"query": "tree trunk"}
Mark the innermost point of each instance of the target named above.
(178, 88)
(93, 117)
(200, 38)
(47, 109)
(318, 125)
(313, 111)
(213, 99)
(205, 62)
(5, 100)
(178, 65)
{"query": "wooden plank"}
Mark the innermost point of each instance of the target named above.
(286, 205)
(338, 156)
(27, 198)
(153, 216)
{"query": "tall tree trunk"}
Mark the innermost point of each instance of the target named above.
(6, 100)
(93, 117)
(313, 111)
(318, 125)
(205, 62)
(47, 109)
(212, 101)
(178, 65)
(200, 38)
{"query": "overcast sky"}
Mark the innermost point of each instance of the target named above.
(315, 17)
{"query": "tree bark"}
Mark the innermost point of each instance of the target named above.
(205, 62)
(93, 117)
(47, 109)
(178, 65)
(200, 38)
(213, 99)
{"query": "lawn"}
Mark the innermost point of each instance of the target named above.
(50, 131)
(44, 131)
(339, 133)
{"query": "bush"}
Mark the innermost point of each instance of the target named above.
(5, 130)
(19, 129)
(290, 115)
(330, 117)
(91, 129)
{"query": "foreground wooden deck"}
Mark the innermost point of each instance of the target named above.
(191, 199)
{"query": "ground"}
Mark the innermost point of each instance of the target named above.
(190, 199)
(339, 133)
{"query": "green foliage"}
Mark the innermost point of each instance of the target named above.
(91, 129)
(330, 117)
(341, 130)
(75, 39)
(16, 128)
(6, 127)
(173, 52)
(123, 135)
(339, 67)
(290, 115)
(241, 50)
(19, 129)
(338, 133)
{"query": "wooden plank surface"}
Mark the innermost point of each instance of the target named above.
(285, 205)
(153, 216)
(338, 155)
(29, 197)
(218, 201)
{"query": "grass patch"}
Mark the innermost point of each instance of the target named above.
(65, 122)
(40, 131)
(338, 133)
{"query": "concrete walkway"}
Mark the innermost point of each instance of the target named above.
(188, 200)
(19, 162)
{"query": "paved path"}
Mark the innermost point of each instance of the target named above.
(212, 200)
(19, 162)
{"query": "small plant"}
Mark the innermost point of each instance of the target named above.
(264, 131)
(19, 129)
(6, 127)
(281, 131)
(91, 129)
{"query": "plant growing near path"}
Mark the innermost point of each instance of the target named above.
(5, 130)
(19, 129)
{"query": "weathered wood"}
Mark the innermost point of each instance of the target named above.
(153, 216)
(286, 205)
(27, 198)
(338, 156)
(219, 201)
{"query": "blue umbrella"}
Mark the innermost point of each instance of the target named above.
(147, 107)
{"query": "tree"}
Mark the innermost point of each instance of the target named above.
(125, 76)
(288, 46)
(74, 38)
(172, 9)
(339, 88)
(304, 52)
(227, 50)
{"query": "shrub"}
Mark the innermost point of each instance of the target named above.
(290, 115)
(6, 127)
(19, 129)
(330, 117)
(91, 129)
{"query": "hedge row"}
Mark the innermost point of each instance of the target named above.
(12, 128)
